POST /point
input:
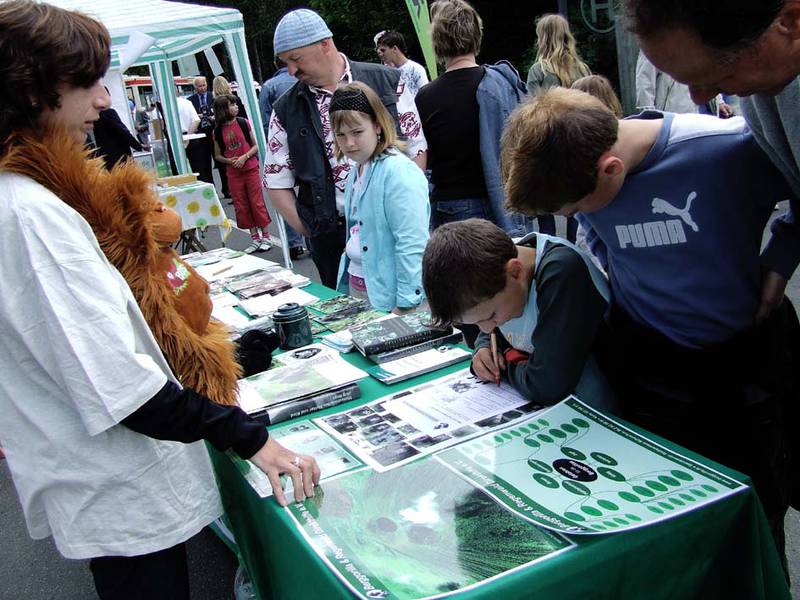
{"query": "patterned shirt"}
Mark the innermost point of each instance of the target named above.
(413, 75)
(278, 168)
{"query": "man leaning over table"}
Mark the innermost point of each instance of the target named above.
(300, 145)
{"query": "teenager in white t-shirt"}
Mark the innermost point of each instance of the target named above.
(103, 444)
(391, 49)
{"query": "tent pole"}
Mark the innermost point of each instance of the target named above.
(161, 72)
(237, 50)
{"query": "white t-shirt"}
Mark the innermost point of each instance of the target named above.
(187, 113)
(78, 357)
(353, 246)
(413, 75)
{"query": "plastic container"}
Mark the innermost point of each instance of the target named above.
(294, 329)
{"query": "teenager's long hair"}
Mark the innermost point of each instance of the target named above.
(556, 50)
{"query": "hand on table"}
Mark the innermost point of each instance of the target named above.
(483, 365)
(773, 286)
(274, 460)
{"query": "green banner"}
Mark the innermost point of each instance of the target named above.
(418, 9)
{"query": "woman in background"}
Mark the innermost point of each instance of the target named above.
(221, 87)
(557, 64)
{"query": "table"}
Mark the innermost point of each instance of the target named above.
(199, 206)
(723, 550)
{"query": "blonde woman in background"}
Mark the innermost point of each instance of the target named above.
(220, 86)
(557, 64)
(557, 61)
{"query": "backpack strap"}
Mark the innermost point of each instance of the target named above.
(218, 139)
(245, 129)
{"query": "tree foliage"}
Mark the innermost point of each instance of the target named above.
(509, 29)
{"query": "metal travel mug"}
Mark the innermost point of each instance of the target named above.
(294, 329)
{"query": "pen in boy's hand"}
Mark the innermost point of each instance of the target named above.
(495, 362)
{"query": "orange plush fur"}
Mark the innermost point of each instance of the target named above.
(123, 211)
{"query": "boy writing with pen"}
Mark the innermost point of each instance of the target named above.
(542, 299)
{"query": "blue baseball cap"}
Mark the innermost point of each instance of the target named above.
(299, 28)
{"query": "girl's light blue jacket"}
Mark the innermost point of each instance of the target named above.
(394, 215)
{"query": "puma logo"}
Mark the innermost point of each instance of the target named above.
(659, 233)
(661, 206)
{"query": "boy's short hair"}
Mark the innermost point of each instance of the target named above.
(392, 39)
(42, 47)
(463, 265)
(550, 149)
(456, 29)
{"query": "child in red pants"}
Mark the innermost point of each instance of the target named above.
(235, 147)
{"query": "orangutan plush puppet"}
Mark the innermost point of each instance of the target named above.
(135, 231)
(191, 290)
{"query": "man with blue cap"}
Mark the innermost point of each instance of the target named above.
(300, 145)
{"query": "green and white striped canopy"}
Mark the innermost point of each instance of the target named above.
(179, 29)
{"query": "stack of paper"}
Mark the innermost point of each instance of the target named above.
(267, 304)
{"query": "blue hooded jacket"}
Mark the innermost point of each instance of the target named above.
(499, 93)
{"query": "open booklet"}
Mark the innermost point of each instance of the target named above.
(309, 373)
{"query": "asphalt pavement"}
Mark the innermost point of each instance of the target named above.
(34, 570)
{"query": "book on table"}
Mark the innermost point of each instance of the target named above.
(271, 415)
(300, 387)
(396, 333)
(420, 363)
(456, 337)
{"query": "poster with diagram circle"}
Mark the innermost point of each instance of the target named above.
(574, 470)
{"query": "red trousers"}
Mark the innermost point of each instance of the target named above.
(248, 199)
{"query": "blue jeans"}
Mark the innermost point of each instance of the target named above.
(449, 211)
(547, 224)
(522, 225)
(295, 239)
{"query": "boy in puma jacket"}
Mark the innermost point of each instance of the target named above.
(675, 207)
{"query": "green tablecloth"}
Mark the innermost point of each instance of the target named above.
(723, 550)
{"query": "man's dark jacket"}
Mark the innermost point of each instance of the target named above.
(297, 111)
(209, 111)
(114, 141)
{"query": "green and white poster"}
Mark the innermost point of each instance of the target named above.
(574, 470)
(417, 532)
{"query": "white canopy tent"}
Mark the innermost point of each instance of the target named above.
(157, 32)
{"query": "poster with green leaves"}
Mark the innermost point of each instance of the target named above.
(417, 532)
(574, 470)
